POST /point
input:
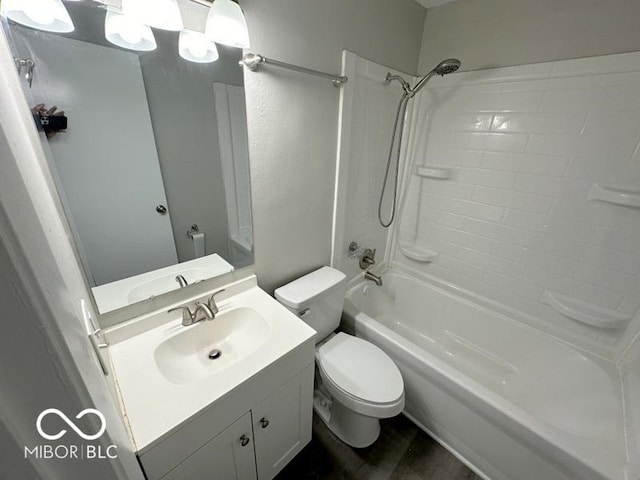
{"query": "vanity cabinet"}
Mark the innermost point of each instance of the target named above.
(282, 424)
(257, 445)
(229, 456)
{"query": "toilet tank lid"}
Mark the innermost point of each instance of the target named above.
(305, 290)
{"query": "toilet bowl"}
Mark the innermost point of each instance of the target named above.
(356, 383)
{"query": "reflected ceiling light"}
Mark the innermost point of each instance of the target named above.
(226, 24)
(47, 15)
(196, 47)
(162, 14)
(127, 32)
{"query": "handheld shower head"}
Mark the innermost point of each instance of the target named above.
(445, 67)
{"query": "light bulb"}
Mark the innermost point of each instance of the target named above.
(226, 24)
(197, 50)
(162, 14)
(43, 16)
(131, 35)
(128, 33)
(47, 15)
(196, 47)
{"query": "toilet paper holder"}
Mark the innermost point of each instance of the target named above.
(193, 230)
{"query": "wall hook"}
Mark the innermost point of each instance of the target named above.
(193, 230)
(28, 65)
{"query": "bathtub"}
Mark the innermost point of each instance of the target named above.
(509, 401)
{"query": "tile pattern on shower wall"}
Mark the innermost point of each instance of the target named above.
(527, 144)
(367, 117)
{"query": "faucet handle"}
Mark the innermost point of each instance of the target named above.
(212, 303)
(202, 309)
(187, 316)
(368, 259)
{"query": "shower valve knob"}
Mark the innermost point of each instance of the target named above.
(368, 258)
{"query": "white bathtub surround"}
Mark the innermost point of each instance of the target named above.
(547, 163)
(585, 312)
(616, 194)
(499, 405)
(519, 241)
(367, 109)
(630, 369)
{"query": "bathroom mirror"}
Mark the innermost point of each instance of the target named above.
(153, 167)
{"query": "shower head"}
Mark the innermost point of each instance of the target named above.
(405, 85)
(447, 66)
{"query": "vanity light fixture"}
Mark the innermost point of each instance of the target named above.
(127, 32)
(162, 14)
(47, 15)
(226, 24)
(196, 47)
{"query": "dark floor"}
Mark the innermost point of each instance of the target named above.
(403, 451)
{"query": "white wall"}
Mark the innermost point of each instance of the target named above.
(293, 117)
(496, 33)
(528, 143)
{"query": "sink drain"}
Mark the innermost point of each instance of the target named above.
(214, 354)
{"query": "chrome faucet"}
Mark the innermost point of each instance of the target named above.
(212, 304)
(200, 313)
(182, 281)
(377, 279)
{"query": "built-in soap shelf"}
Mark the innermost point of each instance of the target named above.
(626, 196)
(587, 313)
(415, 253)
(434, 171)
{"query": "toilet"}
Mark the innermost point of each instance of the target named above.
(356, 382)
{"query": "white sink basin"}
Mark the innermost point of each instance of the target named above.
(121, 293)
(163, 369)
(184, 357)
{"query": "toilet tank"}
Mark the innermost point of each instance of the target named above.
(317, 298)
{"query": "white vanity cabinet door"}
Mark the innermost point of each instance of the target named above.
(223, 458)
(282, 424)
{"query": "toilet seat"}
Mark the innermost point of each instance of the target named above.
(361, 376)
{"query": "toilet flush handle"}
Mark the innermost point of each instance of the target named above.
(303, 313)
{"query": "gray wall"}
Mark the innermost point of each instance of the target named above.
(182, 107)
(293, 118)
(496, 33)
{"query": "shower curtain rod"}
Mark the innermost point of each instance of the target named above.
(253, 60)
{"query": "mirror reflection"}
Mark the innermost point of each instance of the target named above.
(153, 165)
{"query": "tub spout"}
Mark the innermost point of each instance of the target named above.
(377, 279)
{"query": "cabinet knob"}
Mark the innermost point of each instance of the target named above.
(264, 423)
(244, 440)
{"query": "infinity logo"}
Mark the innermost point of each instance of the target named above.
(70, 423)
